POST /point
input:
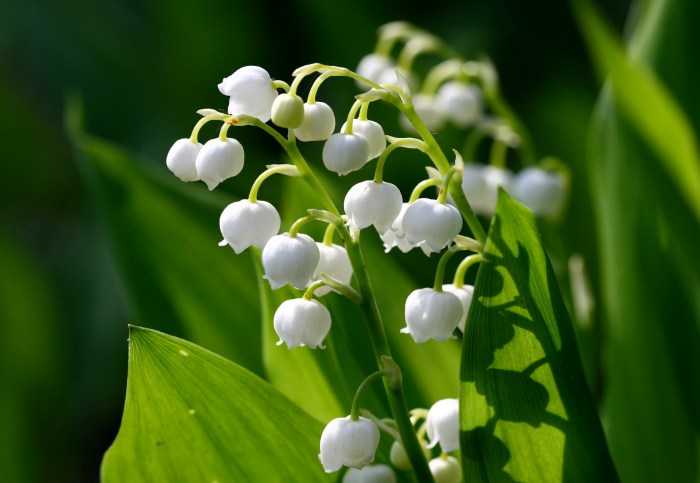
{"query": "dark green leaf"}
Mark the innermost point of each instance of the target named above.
(192, 415)
(526, 411)
(165, 235)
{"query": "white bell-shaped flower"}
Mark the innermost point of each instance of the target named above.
(319, 123)
(480, 185)
(460, 103)
(370, 474)
(181, 159)
(288, 111)
(541, 191)
(219, 160)
(442, 424)
(374, 67)
(245, 223)
(343, 153)
(445, 469)
(431, 222)
(370, 203)
(464, 294)
(373, 131)
(429, 112)
(301, 322)
(290, 260)
(335, 263)
(431, 315)
(250, 92)
(396, 237)
(349, 443)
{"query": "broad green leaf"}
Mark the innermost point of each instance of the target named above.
(192, 415)
(526, 411)
(646, 103)
(165, 236)
(650, 265)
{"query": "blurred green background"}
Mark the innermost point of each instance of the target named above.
(141, 70)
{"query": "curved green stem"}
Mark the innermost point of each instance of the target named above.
(213, 117)
(463, 267)
(280, 84)
(440, 271)
(422, 186)
(363, 111)
(410, 143)
(499, 106)
(328, 235)
(296, 226)
(442, 197)
(499, 149)
(311, 98)
(286, 169)
(351, 115)
(355, 411)
(223, 131)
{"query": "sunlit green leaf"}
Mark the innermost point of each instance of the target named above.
(646, 104)
(165, 236)
(526, 411)
(192, 415)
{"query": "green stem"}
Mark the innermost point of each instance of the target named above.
(500, 107)
(380, 346)
(203, 121)
(355, 411)
(499, 149)
(309, 293)
(223, 131)
(286, 169)
(296, 226)
(328, 235)
(410, 143)
(422, 186)
(363, 111)
(311, 98)
(463, 267)
(351, 115)
(280, 84)
(442, 197)
(440, 271)
(368, 307)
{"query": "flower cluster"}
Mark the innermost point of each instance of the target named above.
(457, 92)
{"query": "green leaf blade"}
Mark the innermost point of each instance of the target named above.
(192, 415)
(526, 413)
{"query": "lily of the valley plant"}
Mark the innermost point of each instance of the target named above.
(463, 93)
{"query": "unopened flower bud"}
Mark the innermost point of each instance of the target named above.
(445, 469)
(181, 159)
(431, 222)
(245, 223)
(370, 474)
(541, 191)
(431, 315)
(442, 424)
(290, 260)
(345, 442)
(250, 92)
(288, 111)
(464, 294)
(219, 160)
(344, 153)
(335, 263)
(460, 103)
(319, 123)
(301, 322)
(371, 203)
(480, 185)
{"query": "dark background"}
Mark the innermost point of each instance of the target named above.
(142, 69)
